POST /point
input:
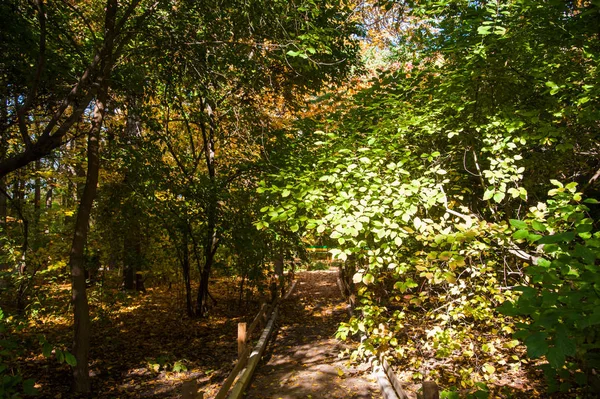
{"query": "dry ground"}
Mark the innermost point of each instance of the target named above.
(303, 360)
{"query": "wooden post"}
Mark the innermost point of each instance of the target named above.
(265, 316)
(430, 390)
(241, 339)
(244, 380)
(190, 390)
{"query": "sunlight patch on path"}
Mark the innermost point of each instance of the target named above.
(303, 360)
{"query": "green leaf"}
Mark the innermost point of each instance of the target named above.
(60, 356)
(484, 30)
(520, 234)
(536, 345)
(70, 359)
(368, 278)
(539, 226)
(533, 237)
(571, 186)
(556, 238)
(562, 341)
(499, 30)
(285, 193)
(585, 253)
(47, 350)
(29, 387)
(555, 357)
(519, 224)
(178, 367)
(489, 193)
(499, 196)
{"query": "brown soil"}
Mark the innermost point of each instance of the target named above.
(303, 360)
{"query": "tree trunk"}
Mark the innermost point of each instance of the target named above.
(3, 145)
(132, 247)
(211, 243)
(132, 244)
(185, 265)
(37, 199)
(81, 338)
(241, 295)
(17, 202)
(209, 256)
(3, 206)
(279, 262)
(49, 197)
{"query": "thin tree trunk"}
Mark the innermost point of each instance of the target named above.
(185, 265)
(17, 202)
(132, 243)
(81, 338)
(3, 145)
(3, 206)
(37, 199)
(279, 262)
(3, 197)
(241, 295)
(49, 197)
(211, 244)
(133, 252)
(209, 255)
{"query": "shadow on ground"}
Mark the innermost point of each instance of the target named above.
(302, 361)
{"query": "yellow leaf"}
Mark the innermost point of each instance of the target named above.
(489, 369)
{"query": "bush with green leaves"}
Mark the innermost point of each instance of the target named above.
(562, 299)
(12, 383)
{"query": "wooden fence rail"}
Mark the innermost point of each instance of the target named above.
(245, 334)
(244, 337)
(248, 357)
(390, 384)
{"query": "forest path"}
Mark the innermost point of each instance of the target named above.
(302, 360)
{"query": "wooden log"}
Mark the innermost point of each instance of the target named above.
(244, 380)
(241, 339)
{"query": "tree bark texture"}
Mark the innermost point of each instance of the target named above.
(81, 322)
(186, 275)
(211, 242)
(132, 244)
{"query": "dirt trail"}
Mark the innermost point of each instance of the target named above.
(302, 361)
